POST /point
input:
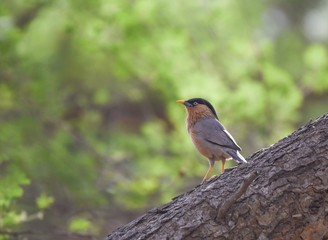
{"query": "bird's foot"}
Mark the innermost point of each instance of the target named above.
(209, 179)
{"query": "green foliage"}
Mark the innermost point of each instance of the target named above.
(87, 99)
(316, 61)
(80, 225)
(44, 201)
(315, 57)
(11, 188)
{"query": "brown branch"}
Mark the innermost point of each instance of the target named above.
(227, 205)
(287, 200)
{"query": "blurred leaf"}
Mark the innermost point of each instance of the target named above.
(81, 225)
(10, 219)
(11, 186)
(6, 97)
(101, 96)
(44, 201)
(316, 57)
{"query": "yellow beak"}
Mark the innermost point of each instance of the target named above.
(181, 101)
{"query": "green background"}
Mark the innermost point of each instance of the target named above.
(91, 135)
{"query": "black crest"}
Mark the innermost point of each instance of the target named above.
(204, 102)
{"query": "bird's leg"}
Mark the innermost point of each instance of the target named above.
(211, 163)
(222, 165)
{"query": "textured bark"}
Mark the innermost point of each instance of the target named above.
(282, 193)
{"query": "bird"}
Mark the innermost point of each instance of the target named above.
(209, 136)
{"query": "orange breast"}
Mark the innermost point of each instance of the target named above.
(207, 149)
(199, 143)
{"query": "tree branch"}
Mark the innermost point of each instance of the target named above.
(227, 205)
(288, 200)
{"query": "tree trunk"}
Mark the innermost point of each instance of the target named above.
(282, 193)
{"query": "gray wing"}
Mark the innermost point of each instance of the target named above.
(213, 131)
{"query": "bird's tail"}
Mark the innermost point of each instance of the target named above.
(236, 156)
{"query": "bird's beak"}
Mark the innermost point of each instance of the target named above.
(187, 104)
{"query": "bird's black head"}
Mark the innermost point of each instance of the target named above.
(195, 101)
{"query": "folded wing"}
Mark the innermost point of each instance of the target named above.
(213, 131)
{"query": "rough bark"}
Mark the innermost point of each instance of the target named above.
(282, 193)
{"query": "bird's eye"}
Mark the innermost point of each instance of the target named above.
(195, 103)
